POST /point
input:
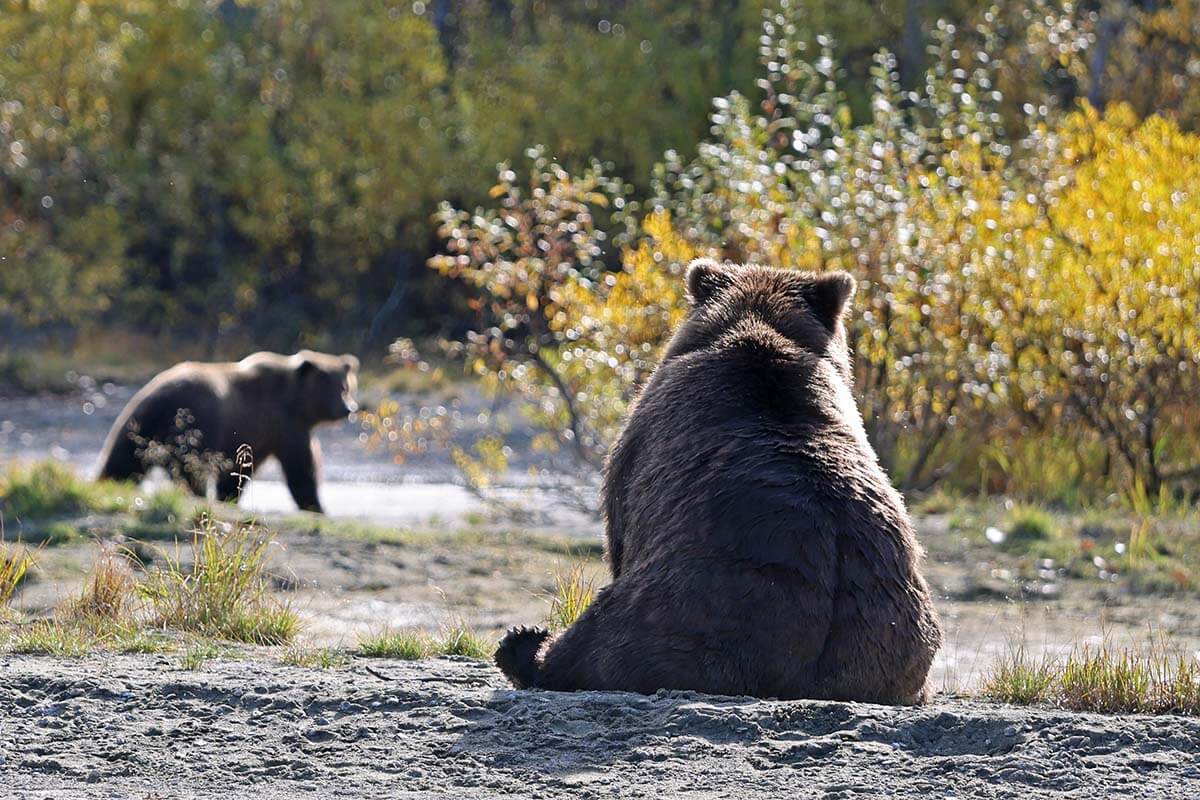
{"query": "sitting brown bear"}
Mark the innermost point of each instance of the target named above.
(757, 547)
(194, 419)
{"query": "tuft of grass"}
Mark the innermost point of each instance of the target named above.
(15, 562)
(573, 593)
(50, 638)
(1102, 679)
(314, 657)
(1105, 680)
(225, 592)
(198, 653)
(456, 639)
(72, 636)
(459, 640)
(143, 642)
(109, 591)
(939, 501)
(166, 506)
(49, 489)
(1029, 526)
(56, 533)
(407, 645)
(1018, 679)
(1175, 686)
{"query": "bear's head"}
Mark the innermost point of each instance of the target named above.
(326, 384)
(801, 309)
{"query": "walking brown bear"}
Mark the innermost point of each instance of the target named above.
(757, 547)
(193, 418)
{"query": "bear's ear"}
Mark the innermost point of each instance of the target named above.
(705, 278)
(350, 362)
(827, 295)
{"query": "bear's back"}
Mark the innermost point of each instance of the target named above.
(726, 453)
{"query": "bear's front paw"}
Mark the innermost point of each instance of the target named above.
(517, 655)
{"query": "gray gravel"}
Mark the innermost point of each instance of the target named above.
(140, 727)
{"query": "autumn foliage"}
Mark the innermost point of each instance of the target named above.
(1028, 317)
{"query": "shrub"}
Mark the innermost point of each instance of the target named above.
(530, 261)
(1033, 286)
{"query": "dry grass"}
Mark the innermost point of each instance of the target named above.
(15, 563)
(225, 592)
(1103, 678)
(573, 593)
(110, 591)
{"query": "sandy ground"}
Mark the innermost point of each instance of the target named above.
(130, 727)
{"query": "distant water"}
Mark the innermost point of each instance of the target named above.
(356, 482)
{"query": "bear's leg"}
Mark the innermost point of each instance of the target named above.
(299, 459)
(722, 630)
(121, 461)
(195, 478)
(614, 646)
(571, 660)
(231, 482)
(635, 640)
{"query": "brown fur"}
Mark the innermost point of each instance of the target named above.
(195, 417)
(757, 547)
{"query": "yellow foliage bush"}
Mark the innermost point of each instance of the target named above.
(1015, 294)
(1121, 323)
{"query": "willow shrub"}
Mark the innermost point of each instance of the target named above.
(1016, 289)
